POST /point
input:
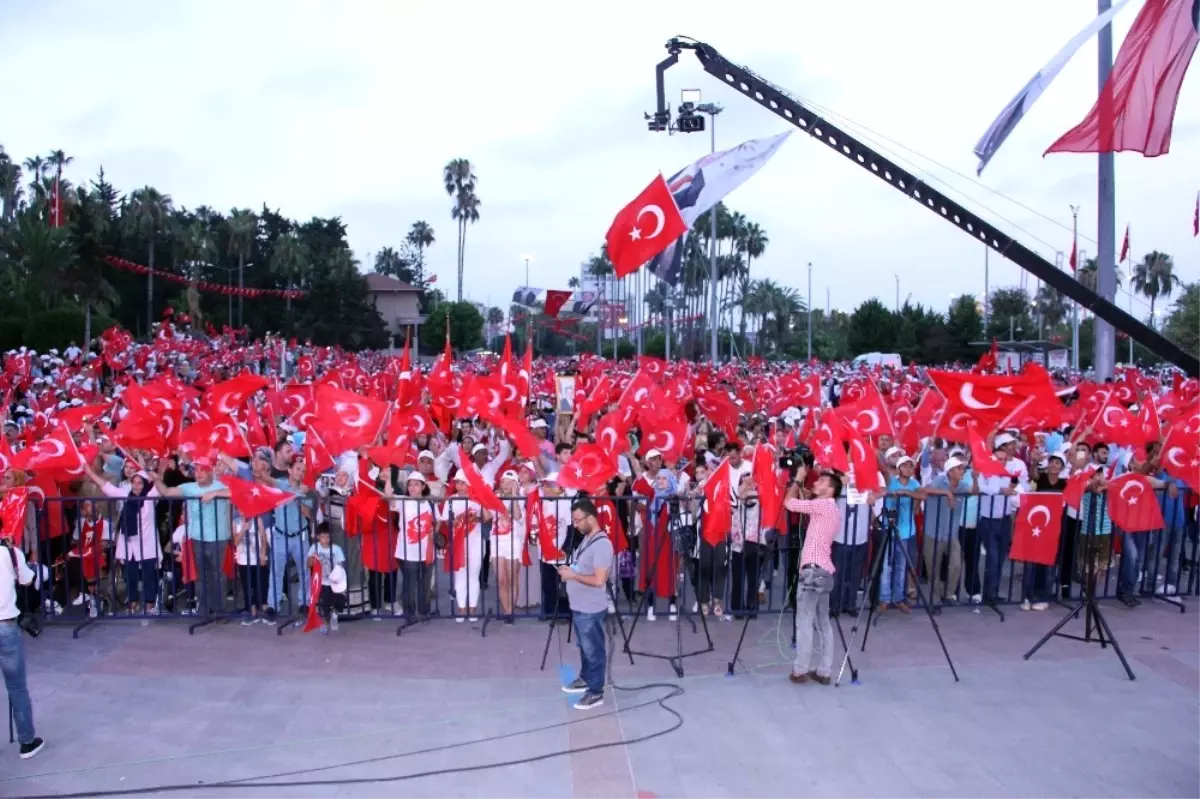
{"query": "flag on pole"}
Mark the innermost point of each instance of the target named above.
(1124, 246)
(700, 186)
(1196, 217)
(55, 205)
(1074, 256)
(644, 228)
(1006, 122)
(1136, 107)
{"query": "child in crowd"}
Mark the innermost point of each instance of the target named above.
(333, 576)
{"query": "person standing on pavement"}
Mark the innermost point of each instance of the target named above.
(814, 635)
(14, 571)
(586, 577)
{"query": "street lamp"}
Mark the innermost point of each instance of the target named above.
(527, 258)
(712, 109)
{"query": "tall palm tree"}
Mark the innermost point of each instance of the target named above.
(458, 177)
(243, 228)
(1051, 306)
(1155, 277)
(149, 211)
(36, 167)
(1087, 274)
(573, 282)
(57, 161)
(289, 258)
(199, 251)
(10, 187)
(420, 236)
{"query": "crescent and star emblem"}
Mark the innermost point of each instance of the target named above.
(659, 218)
(1131, 484)
(1040, 510)
(966, 396)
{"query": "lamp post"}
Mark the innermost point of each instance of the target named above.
(712, 109)
(897, 293)
(1075, 272)
(810, 310)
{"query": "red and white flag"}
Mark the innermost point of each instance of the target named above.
(254, 499)
(1036, 528)
(644, 228)
(1124, 247)
(718, 505)
(1133, 505)
(1074, 262)
(1136, 107)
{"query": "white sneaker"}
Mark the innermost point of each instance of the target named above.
(1169, 589)
(672, 613)
(472, 619)
(333, 622)
(695, 607)
(611, 607)
(649, 614)
(1041, 606)
(398, 612)
(460, 619)
(1025, 605)
(79, 599)
(976, 599)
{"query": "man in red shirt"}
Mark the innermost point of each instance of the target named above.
(814, 635)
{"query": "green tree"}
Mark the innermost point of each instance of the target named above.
(1155, 277)
(459, 179)
(242, 229)
(964, 325)
(1183, 323)
(466, 327)
(872, 328)
(146, 219)
(1011, 314)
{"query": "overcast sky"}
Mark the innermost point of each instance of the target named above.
(352, 108)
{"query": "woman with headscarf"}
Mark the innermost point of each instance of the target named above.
(137, 544)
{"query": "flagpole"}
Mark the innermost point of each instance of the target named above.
(1075, 273)
(1129, 267)
(1104, 342)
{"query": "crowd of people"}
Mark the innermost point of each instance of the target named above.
(270, 481)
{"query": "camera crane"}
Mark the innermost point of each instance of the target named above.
(782, 104)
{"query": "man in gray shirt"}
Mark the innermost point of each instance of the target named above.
(586, 578)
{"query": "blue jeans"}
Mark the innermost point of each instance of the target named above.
(589, 634)
(995, 535)
(1133, 548)
(284, 547)
(145, 571)
(12, 663)
(895, 571)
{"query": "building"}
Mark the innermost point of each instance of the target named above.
(398, 303)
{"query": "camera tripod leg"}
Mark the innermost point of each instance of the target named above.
(864, 606)
(930, 610)
(763, 563)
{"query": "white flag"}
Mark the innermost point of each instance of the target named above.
(700, 186)
(1004, 124)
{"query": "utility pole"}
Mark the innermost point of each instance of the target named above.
(712, 109)
(897, 293)
(1075, 274)
(810, 310)
(987, 299)
(1104, 343)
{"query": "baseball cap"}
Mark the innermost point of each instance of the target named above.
(893, 451)
(653, 454)
(417, 476)
(203, 462)
(479, 448)
(1004, 438)
(954, 463)
(426, 454)
(905, 460)
(509, 474)
(537, 424)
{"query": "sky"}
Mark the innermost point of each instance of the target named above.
(351, 109)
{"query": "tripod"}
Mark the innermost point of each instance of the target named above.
(887, 543)
(1093, 619)
(674, 532)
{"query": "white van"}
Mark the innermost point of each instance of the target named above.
(877, 359)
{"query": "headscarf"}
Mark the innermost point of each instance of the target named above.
(131, 511)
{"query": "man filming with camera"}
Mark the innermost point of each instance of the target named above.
(14, 571)
(586, 579)
(816, 575)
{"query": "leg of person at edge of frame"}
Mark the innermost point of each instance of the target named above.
(466, 579)
(814, 633)
(586, 578)
(13, 572)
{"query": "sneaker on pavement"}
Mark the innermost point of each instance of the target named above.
(578, 686)
(1041, 606)
(672, 613)
(249, 620)
(589, 701)
(32, 748)
(1025, 605)
(976, 599)
(333, 621)
(649, 614)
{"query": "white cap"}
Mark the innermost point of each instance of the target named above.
(954, 463)
(537, 424)
(893, 451)
(417, 476)
(426, 454)
(509, 474)
(905, 460)
(653, 454)
(479, 448)
(460, 477)
(1004, 438)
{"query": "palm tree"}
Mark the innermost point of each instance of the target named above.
(10, 187)
(1087, 274)
(1155, 277)
(149, 211)
(1051, 306)
(459, 178)
(389, 262)
(36, 167)
(198, 249)
(58, 160)
(420, 236)
(44, 255)
(290, 259)
(243, 228)
(573, 282)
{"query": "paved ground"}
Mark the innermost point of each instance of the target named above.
(129, 706)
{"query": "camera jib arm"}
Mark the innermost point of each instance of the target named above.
(779, 102)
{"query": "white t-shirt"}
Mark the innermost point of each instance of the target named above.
(418, 519)
(8, 579)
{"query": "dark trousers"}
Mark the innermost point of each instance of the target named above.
(849, 560)
(968, 537)
(144, 572)
(381, 588)
(551, 600)
(255, 580)
(710, 583)
(746, 572)
(414, 590)
(996, 537)
(1066, 555)
(330, 601)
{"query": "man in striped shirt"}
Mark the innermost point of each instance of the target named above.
(814, 635)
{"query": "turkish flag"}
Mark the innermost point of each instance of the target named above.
(317, 457)
(589, 469)
(12, 515)
(1181, 455)
(983, 461)
(226, 398)
(770, 489)
(314, 592)
(828, 443)
(555, 300)
(1037, 527)
(347, 420)
(479, 490)
(1136, 107)
(1074, 262)
(1124, 246)
(718, 508)
(644, 228)
(254, 499)
(1133, 505)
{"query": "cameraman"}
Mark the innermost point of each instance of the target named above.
(14, 571)
(586, 577)
(814, 635)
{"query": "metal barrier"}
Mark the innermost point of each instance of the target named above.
(200, 563)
